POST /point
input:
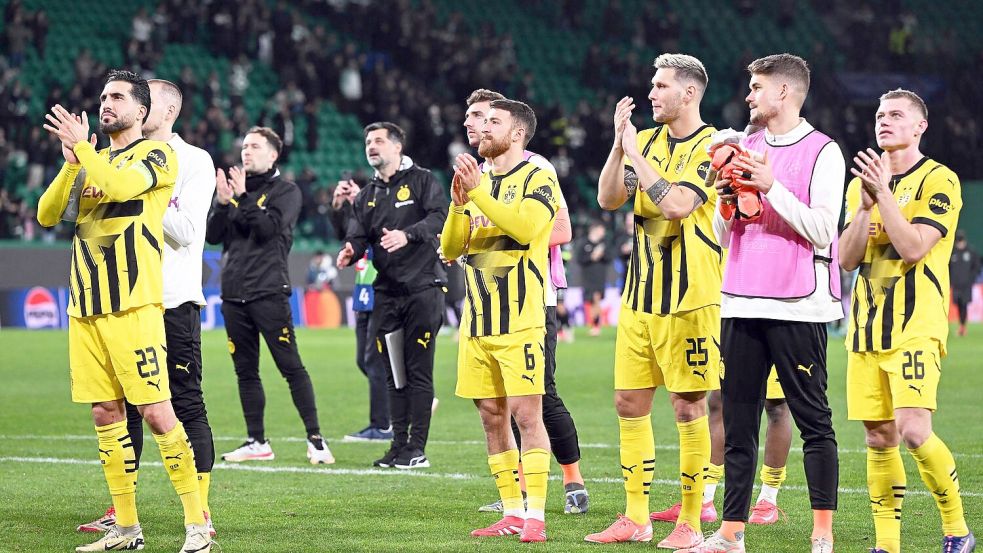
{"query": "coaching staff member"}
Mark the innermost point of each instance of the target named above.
(253, 218)
(399, 213)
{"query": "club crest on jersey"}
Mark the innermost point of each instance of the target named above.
(681, 163)
(904, 199)
(158, 158)
(403, 196)
(509, 195)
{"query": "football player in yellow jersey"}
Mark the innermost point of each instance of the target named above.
(669, 324)
(116, 325)
(902, 211)
(501, 221)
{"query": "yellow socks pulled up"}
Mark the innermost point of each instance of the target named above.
(179, 462)
(694, 458)
(886, 481)
(505, 469)
(637, 465)
(938, 470)
(119, 464)
(536, 468)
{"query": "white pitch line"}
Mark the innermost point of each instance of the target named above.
(402, 473)
(341, 441)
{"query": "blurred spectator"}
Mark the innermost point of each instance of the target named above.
(321, 271)
(594, 256)
(964, 269)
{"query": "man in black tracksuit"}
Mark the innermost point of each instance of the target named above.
(253, 219)
(399, 214)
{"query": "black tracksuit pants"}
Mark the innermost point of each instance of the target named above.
(182, 327)
(419, 314)
(271, 317)
(749, 348)
(371, 365)
(559, 424)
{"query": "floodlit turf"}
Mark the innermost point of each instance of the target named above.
(50, 479)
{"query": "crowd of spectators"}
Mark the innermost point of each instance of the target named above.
(409, 62)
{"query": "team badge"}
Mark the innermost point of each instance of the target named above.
(681, 163)
(509, 195)
(403, 194)
(904, 199)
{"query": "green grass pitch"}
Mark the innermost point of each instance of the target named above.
(50, 479)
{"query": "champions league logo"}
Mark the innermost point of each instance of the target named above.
(40, 309)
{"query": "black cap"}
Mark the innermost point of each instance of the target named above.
(960, 234)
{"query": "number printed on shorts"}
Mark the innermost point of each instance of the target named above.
(697, 354)
(913, 367)
(146, 357)
(530, 358)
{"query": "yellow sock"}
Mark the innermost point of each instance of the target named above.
(204, 481)
(694, 456)
(536, 468)
(711, 478)
(771, 476)
(886, 481)
(179, 461)
(938, 470)
(119, 464)
(505, 469)
(715, 473)
(637, 465)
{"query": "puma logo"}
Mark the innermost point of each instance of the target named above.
(702, 375)
(529, 378)
(175, 457)
(918, 389)
(943, 493)
(154, 384)
(691, 477)
(285, 339)
(183, 367)
(105, 451)
(807, 370)
(425, 341)
(879, 502)
(630, 469)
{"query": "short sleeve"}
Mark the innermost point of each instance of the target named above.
(694, 176)
(159, 166)
(940, 203)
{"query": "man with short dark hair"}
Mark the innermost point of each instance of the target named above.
(184, 240)
(399, 214)
(778, 316)
(116, 326)
(253, 218)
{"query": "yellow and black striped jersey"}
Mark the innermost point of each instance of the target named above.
(675, 266)
(505, 231)
(893, 301)
(116, 251)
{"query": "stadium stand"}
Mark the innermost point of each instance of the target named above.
(318, 71)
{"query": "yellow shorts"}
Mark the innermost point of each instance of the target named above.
(878, 382)
(119, 355)
(775, 390)
(680, 351)
(506, 365)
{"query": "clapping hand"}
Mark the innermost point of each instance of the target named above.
(70, 129)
